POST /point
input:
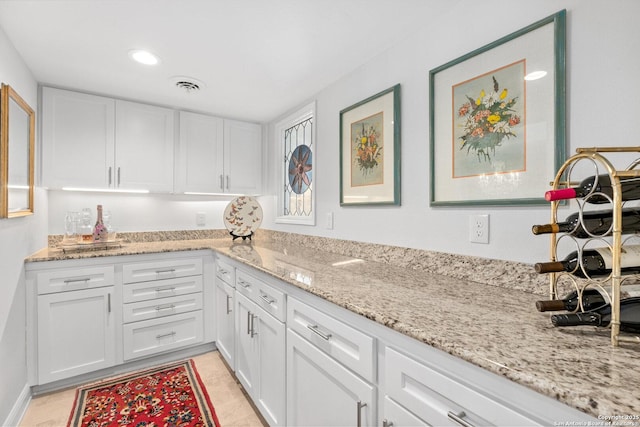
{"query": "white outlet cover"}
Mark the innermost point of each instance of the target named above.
(479, 229)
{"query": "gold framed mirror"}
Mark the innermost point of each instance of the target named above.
(17, 144)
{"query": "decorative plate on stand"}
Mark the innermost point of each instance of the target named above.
(242, 217)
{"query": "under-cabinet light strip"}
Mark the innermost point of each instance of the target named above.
(105, 190)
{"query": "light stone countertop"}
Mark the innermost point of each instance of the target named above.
(492, 327)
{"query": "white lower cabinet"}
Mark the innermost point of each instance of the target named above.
(76, 333)
(394, 415)
(225, 323)
(260, 358)
(86, 315)
(322, 392)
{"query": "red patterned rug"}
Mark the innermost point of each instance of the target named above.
(169, 395)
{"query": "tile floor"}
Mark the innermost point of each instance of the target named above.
(230, 403)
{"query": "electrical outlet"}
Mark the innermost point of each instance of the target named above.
(479, 229)
(330, 221)
(201, 219)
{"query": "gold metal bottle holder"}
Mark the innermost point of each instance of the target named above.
(595, 155)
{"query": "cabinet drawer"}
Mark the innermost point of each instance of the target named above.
(144, 291)
(155, 270)
(349, 346)
(436, 398)
(267, 297)
(161, 307)
(158, 335)
(226, 272)
(74, 279)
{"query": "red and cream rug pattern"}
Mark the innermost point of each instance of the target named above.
(170, 395)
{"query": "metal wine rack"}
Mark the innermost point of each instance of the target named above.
(611, 285)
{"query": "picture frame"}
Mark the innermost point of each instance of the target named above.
(370, 150)
(497, 119)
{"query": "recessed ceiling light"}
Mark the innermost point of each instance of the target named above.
(144, 57)
(535, 75)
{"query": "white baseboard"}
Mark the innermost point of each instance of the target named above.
(19, 407)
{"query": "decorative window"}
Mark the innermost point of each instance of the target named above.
(296, 135)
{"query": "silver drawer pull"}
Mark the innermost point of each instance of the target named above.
(360, 405)
(170, 270)
(222, 271)
(266, 299)
(253, 326)
(244, 284)
(158, 290)
(170, 334)
(387, 423)
(166, 307)
(459, 418)
(85, 280)
(229, 305)
(314, 328)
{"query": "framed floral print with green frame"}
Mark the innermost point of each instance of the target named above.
(370, 150)
(497, 134)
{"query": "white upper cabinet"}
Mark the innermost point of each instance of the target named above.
(144, 147)
(199, 162)
(242, 157)
(78, 139)
(96, 142)
(218, 155)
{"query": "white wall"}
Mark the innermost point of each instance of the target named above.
(602, 109)
(19, 237)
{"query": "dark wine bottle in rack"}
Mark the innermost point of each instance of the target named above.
(596, 262)
(629, 316)
(593, 223)
(630, 188)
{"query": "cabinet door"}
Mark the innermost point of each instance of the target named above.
(76, 333)
(242, 157)
(144, 147)
(322, 392)
(199, 165)
(77, 139)
(225, 323)
(246, 346)
(270, 389)
(395, 415)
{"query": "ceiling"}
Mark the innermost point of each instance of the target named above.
(257, 58)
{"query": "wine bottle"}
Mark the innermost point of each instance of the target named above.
(629, 316)
(99, 230)
(591, 299)
(596, 262)
(597, 184)
(598, 223)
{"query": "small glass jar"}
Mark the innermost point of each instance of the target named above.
(85, 228)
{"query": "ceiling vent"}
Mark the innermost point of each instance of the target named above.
(187, 84)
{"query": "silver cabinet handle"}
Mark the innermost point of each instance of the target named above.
(158, 290)
(169, 270)
(244, 284)
(253, 326)
(360, 405)
(118, 176)
(221, 182)
(166, 307)
(170, 334)
(110, 180)
(387, 423)
(222, 271)
(227, 178)
(109, 303)
(459, 418)
(314, 328)
(266, 299)
(248, 323)
(228, 306)
(85, 280)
